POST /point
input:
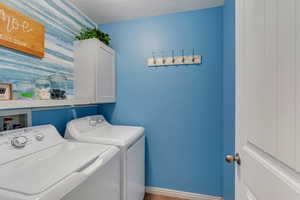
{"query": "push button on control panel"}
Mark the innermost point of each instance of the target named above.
(39, 137)
(19, 141)
(94, 121)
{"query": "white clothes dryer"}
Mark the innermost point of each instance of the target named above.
(131, 142)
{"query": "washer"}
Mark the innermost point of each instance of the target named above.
(131, 142)
(38, 164)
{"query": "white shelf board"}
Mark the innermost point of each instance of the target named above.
(14, 104)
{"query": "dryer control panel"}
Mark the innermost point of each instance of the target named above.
(87, 124)
(21, 142)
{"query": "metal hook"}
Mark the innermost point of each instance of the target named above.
(154, 59)
(164, 59)
(193, 55)
(173, 57)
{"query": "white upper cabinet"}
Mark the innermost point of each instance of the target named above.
(95, 71)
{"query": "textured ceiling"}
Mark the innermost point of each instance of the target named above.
(108, 11)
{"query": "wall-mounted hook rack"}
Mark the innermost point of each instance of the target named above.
(174, 60)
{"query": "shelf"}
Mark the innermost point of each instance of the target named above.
(14, 104)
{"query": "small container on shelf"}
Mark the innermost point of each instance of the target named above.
(7, 123)
(58, 86)
(25, 90)
(42, 88)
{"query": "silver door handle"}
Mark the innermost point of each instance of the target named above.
(231, 159)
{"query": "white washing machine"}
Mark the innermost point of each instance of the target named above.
(38, 164)
(130, 140)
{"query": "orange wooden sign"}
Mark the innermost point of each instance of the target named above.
(20, 32)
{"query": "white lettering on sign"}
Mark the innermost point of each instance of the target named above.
(12, 23)
(10, 39)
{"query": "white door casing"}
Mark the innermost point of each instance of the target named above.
(268, 99)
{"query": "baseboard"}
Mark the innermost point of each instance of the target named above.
(180, 194)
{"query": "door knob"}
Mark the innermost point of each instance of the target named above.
(233, 159)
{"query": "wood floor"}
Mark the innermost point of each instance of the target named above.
(159, 197)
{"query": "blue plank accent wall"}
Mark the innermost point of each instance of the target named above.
(180, 107)
(62, 21)
(229, 96)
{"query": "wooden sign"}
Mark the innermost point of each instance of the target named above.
(20, 32)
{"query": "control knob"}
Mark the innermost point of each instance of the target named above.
(19, 141)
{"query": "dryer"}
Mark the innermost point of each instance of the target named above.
(129, 139)
(36, 163)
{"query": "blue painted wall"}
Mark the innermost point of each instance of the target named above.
(188, 111)
(180, 107)
(229, 95)
(60, 117)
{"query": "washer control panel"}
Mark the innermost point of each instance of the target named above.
(86, 124)
(21, 138)
(18, 143)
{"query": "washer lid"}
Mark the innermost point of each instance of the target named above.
(34, 174)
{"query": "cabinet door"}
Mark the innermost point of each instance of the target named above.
(85, 69)
(106, 81)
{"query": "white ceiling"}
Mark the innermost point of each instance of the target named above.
(108, 11)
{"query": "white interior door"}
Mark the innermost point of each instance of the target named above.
(268, 99)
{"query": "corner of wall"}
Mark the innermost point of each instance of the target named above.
(228, 95)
